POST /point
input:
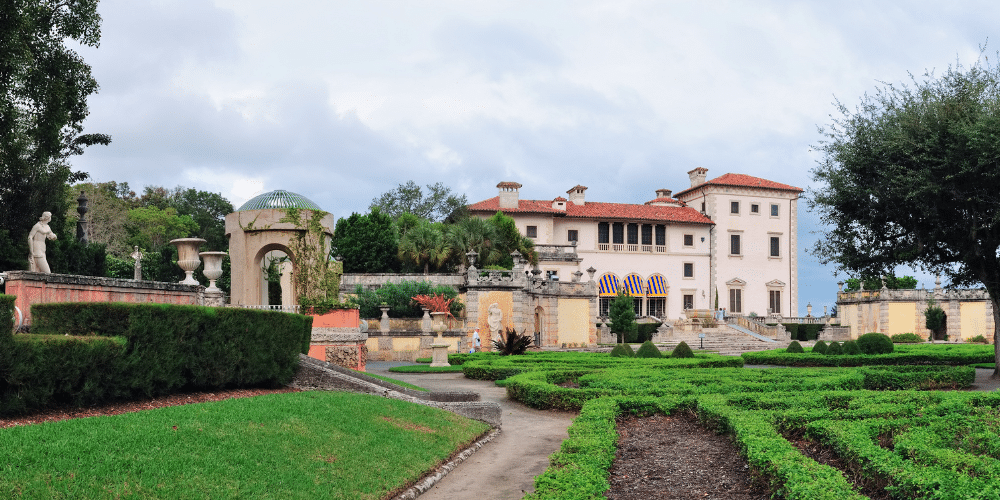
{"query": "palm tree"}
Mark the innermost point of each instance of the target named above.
(424, 245)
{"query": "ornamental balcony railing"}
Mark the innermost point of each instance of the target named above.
(630, 248)
(560, 253)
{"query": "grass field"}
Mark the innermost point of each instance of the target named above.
(308, 445)
(398, 382)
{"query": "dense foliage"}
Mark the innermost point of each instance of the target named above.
(42, 109)
(399, 298)
(437, 205)
(794, 347)
(86, 353)
(875, 283)
(909, 176)
(682, 351)
(906, 338)
(803, 332)
(904, 354)
(648, 350)
(622, 350)
(819, 347)
(511, 343)
(622, 317)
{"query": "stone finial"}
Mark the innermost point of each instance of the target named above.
(937, 282)
(81, 224)
(840, 286)
(472, 254)
(591, 271)
(809, 310)
(577, 275)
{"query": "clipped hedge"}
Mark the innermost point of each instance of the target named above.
(904, 354)
(147, 350)
(799, 331)
(6, 316)
(502, 367)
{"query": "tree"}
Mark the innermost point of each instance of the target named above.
(438, 205)
(425, 246)
(151, 228)
(368, 243)
(43, 103)
(875, 283)
(910, 177)
(622, 316)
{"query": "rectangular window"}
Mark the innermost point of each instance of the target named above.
(703, 207)
(605, 306)
(618, 233)
(754, 208)
(573, 235)
(657, 307)
(775, 301)
(734, 244)
(661, 235)
(689, 270)
(633, 234)
(532, 231)
(603, 232)
(689, 240)
(774, 210)
(637, 306)
(647, 234)
(735, 300)
(775, 246)
(689, 302)
(734, 207)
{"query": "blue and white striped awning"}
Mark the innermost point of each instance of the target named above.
(608, 286)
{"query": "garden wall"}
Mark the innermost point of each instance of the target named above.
(41, 288)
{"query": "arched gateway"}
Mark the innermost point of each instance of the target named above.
(261, 227)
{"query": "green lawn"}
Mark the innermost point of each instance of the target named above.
(308, 445)
(398, 382)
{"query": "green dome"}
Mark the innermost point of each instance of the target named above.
(278, 198)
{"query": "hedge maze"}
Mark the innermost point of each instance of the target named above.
(900, 429)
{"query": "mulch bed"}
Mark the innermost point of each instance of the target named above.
(674, 457)
(66, 413)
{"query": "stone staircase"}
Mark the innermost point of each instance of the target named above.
(725, 340)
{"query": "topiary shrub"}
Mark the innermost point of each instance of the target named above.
(622, 351)
(820, 347)
(875, 343)
(795, 347)
(906, 338)
(648, 350)
(834, 349)
(851, 347)
(682, 351)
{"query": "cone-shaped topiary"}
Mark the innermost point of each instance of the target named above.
(622, 351)
(682, 351)
(834, 349)
(875, 343)
(820, 347)
(794, 347)
(851, 347)
(648, 350)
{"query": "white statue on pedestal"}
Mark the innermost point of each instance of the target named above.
(494, 317)
(36, 242)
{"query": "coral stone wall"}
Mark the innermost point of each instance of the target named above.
(41, 288)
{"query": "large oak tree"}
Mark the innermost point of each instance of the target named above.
(912, 176)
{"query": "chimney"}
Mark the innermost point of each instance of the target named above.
(663, 193)
(576, 194)
(559, 203)
(698, 176)
(508, 194)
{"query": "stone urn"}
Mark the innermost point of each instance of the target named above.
(384, 320)
(213, 268)
(187, 257)
(439, 347)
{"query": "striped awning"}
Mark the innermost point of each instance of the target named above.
(655, 286)
(608, 286)
(633, 285)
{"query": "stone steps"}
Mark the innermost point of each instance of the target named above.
(724, 340)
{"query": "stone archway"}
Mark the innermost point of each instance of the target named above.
(260, 226)
(286, 270)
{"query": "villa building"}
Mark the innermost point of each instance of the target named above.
(734, 236)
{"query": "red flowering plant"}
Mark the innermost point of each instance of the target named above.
(435, 303)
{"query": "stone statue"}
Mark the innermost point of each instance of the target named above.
(36, 242)
(137, 256)
(494, 317)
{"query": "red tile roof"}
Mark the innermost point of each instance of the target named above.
(742, 180)
(559, 198)
(597, 210)
(664, 199)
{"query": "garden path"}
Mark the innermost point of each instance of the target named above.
(506, 467)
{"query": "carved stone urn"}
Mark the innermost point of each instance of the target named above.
(439, 347)
(213, 268)
(187, 257)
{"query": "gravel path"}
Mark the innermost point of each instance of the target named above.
(506, 467)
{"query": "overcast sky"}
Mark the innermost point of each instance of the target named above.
(341, 101)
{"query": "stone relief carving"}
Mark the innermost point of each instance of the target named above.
(494, 317)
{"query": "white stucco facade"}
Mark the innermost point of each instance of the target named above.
(679, 252)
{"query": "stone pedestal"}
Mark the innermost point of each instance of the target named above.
(439, 347)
